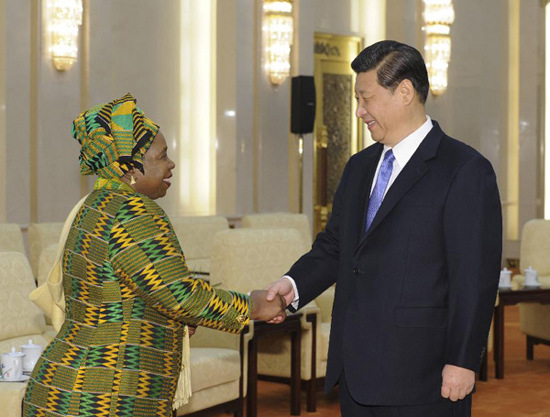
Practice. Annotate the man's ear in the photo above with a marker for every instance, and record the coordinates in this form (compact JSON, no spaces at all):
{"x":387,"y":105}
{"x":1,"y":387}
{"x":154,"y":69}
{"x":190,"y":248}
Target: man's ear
{"x":406,"y":91}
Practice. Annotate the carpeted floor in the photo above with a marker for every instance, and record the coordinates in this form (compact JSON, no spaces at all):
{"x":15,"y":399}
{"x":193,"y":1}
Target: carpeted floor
{"x":525,"y":390}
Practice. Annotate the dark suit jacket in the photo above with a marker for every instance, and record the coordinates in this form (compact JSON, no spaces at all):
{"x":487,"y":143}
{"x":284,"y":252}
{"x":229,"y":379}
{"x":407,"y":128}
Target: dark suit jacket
{"x":417,"y":291}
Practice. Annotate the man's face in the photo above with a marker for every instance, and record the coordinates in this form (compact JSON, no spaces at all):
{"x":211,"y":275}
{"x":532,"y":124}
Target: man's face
{"x":379,"y":108}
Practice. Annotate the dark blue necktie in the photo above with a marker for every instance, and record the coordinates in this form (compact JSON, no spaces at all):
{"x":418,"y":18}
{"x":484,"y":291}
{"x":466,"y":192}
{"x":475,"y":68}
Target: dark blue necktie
{"x":380,"y":187}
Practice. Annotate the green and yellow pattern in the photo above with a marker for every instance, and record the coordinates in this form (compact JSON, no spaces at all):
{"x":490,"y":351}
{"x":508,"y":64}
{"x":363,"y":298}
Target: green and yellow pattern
{"x":113,"y":137}
{"x":128,"y":296}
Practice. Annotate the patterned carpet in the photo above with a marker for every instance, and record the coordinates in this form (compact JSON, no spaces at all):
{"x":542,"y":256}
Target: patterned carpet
{"x":525,"y":390}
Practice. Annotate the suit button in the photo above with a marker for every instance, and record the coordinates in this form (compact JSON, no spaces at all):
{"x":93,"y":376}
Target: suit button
{"x":356,"y":271}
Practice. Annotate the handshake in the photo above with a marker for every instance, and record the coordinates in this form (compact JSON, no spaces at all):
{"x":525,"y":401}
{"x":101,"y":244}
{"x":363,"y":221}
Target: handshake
{"x":272,"y":311}
{"x":270,"y":304}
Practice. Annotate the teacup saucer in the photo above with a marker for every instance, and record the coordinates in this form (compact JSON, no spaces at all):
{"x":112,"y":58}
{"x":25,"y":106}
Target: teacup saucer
{"x":24,"y":378}
{"x":531,"y":286}
{"x":504,"y":287}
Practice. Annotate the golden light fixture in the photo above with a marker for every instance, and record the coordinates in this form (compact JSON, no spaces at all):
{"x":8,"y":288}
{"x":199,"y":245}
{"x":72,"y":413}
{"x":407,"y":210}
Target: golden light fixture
{"x":278,"y":28}
{"x":63,"y":17}
{"x":439,"y":15}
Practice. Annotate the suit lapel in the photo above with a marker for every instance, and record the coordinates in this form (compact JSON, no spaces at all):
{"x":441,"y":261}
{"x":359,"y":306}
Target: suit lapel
{"x":363,"y":186}
{"x":415,"y":169}
{"x":367,"y":183}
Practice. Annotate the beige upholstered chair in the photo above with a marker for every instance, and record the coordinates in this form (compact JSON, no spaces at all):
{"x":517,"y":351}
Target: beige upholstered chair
{"x":196,"y":235}
{"x":280,"y":220}
{"x":218,"y":372}
{"x":300,"y":222}
{"x":20,"y":320}
{"x":247,"y":258}
{"x":41,"y":235}
{"x":11,"y":238}
{"x":534,"y":252}
{"x":46,"y":260}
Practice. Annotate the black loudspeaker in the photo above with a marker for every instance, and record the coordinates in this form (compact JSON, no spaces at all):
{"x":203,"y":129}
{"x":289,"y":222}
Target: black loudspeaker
{"x":302,"y":109}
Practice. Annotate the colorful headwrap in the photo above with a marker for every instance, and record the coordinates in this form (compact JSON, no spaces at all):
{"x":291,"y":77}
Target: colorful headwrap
{"x":113,"y":138}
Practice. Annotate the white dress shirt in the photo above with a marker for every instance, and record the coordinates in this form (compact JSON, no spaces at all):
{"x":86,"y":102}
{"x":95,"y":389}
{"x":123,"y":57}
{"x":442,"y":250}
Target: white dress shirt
{"x":403,"y":152}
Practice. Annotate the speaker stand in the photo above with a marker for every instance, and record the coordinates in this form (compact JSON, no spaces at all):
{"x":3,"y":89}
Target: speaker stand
{"x":301,"y":174}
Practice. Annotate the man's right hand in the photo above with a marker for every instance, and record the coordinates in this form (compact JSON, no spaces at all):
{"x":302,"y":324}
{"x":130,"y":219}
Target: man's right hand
{"x":272,"y":311}
{"x":282,"y":287}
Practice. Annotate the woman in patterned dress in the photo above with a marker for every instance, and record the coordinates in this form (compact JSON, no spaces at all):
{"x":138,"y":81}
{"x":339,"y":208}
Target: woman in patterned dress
{"x":128,"y":291}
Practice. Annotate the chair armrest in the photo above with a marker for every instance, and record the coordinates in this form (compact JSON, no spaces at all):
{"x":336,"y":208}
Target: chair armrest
{"x":206,"y":337}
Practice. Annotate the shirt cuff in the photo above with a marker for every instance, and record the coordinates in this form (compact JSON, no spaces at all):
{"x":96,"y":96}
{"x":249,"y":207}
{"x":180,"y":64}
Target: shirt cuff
{"x":296,"y":299}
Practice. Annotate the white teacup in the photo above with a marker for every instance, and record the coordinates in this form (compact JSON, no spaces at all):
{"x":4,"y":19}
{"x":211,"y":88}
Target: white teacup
{"x":505,"y":278}
{"x":32,"y":353}
{"x":12,"y":365}
{"x":531,"y":277}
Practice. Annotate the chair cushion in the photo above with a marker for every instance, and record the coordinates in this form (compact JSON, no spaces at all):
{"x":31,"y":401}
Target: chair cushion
{"x":11,"y":238}
{"x":210,"y":397}
{"x":47,"y":259}
{"x":245,"y":259}
{"x":196,"y":234}
{"x":535,"y":320}
{"x":40,"y":236}
{"x":298,"y":221}
{"x":18,"y":315}
{"x":213,"y":366}
{"x":11,"y":396}
{"x":535,"y":246}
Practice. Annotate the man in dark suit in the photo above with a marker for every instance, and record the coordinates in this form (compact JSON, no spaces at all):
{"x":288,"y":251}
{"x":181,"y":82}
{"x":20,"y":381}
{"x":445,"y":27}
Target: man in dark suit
{"x":414,"y":247}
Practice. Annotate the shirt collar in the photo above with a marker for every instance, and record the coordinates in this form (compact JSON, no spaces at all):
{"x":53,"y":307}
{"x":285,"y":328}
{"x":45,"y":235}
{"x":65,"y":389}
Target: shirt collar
{"x":405,"y":149}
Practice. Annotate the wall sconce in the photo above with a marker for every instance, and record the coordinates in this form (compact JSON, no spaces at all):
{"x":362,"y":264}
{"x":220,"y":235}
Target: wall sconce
{"x":278,"y":27}
{"x":439,"y":15}
{"x":63,"y":17}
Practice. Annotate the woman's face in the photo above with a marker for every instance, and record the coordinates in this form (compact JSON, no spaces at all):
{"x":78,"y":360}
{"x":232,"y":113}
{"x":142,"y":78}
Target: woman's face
{"x":158,"y":170}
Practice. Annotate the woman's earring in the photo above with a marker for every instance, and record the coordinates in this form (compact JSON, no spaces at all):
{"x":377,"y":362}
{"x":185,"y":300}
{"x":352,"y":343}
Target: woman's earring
{"x":132,"y":180}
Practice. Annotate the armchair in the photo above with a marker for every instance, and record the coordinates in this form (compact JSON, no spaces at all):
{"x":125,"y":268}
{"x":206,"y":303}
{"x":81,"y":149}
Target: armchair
{"x":20,"y":320}
{"x":218,"y":372}
{"x":280,"y":220}
{"x":11,"y":238}
{"x":196,"y":234}
{"x":534,"y":250}
{"x":41,"y":235}
{"x":46,"y":261}
{"x":315,"y":331}
{"x":248,"y":258}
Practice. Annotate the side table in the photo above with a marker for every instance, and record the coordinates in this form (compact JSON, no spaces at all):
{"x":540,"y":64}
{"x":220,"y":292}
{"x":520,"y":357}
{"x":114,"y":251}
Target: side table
{"x":507,"y":298}
{"x":293,"y":326}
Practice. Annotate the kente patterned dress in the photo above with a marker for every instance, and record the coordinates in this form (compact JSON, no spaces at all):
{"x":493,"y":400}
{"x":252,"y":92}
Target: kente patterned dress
{"x":128,"y":294}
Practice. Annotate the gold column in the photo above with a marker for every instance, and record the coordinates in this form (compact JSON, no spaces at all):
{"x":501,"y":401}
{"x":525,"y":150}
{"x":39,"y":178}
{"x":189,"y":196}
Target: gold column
{"x":295,"y":163}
